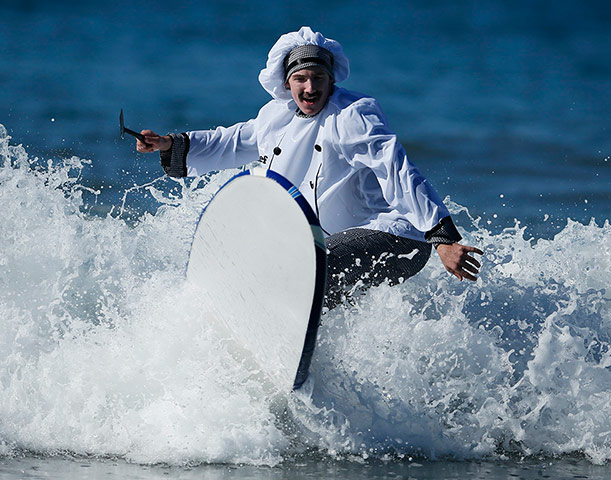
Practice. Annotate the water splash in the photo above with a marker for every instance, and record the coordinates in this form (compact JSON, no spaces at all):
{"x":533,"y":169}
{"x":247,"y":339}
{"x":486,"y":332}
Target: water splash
{"x":518,"y":363}
{"x":104,"y":351}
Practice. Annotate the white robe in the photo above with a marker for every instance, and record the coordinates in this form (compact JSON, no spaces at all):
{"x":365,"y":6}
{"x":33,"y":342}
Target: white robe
{"x":346,"y":162}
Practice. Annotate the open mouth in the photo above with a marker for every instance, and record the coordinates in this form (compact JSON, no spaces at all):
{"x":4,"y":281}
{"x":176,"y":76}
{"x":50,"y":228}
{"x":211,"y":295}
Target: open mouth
{"x":310,"y":99}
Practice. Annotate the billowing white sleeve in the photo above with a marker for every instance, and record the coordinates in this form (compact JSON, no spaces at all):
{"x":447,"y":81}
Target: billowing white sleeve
{"x":366,"y":141}
{"x":221,"y":148}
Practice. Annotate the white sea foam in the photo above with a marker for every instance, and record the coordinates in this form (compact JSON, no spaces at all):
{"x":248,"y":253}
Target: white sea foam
{"x":103,"y":349}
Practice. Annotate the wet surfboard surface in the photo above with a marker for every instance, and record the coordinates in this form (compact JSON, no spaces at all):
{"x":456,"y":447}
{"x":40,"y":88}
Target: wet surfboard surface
{"x":259,"y":254}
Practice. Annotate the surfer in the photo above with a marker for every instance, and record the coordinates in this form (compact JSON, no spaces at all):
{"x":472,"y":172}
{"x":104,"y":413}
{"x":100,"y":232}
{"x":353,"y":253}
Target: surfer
{"x":381,"y":216}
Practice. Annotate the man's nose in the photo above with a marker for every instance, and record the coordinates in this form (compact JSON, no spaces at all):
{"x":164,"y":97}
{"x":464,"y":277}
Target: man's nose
{"x":309,"y":86}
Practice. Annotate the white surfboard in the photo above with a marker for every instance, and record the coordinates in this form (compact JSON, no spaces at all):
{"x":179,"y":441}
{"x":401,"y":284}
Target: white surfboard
{"x":260,"y":256}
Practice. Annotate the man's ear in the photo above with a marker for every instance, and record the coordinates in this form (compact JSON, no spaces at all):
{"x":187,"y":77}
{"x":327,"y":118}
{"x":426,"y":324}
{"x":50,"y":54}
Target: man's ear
{"x":286,"y":85}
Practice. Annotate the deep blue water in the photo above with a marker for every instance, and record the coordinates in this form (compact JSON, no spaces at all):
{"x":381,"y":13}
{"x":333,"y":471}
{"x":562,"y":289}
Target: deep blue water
{"x":503,"y":105}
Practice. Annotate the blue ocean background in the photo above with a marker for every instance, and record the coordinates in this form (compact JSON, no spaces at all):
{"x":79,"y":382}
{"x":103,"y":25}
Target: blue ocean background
{"x":504,"y":106}
{"x":489,"y":98}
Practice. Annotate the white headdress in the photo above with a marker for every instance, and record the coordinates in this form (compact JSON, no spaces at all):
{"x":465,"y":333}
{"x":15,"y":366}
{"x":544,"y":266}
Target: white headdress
{"x":272,"y":77}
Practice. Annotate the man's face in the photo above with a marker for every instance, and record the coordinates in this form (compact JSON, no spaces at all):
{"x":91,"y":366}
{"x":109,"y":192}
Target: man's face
{"x":310,"y":88}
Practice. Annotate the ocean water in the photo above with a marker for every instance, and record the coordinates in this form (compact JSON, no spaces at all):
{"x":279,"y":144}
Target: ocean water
{"x":106,"y":368}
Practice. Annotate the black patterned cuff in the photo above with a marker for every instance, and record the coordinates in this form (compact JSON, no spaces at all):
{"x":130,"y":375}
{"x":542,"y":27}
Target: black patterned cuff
{"x":444,"y":232}
{"x":174,"y":160}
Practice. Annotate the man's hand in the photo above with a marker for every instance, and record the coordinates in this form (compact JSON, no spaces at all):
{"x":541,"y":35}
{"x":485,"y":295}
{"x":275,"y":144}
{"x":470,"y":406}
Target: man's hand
{"x":154,"y":142}
{"x":456,"y":259}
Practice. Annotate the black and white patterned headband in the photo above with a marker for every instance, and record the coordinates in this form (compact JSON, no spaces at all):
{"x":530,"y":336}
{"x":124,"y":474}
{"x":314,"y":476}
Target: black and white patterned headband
{"x":306,"y":56}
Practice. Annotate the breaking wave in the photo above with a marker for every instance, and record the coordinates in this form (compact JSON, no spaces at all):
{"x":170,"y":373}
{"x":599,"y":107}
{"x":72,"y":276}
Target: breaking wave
{"x":103,"y":350}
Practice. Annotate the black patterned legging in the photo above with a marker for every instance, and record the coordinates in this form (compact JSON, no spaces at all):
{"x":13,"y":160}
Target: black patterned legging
{"x":363,"y":258}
